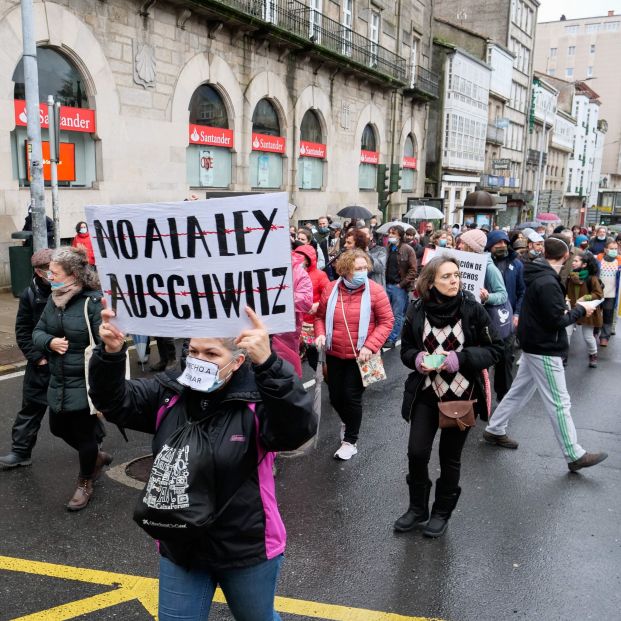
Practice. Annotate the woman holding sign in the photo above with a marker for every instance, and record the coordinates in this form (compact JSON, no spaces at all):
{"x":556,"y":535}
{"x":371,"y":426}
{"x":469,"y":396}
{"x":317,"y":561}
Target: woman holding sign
{"x":210,"y":499}
{"x":447,"y":341}
{"x":353,"y":321}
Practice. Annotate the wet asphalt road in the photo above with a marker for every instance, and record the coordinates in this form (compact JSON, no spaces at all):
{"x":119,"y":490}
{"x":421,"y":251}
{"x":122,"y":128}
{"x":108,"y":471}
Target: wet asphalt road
{"x":528,"y":540}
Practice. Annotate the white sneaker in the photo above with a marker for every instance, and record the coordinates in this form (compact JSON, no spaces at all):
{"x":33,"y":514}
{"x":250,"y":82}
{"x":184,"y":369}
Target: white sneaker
{"x":342,"y":432}
{"x":346,"y":452}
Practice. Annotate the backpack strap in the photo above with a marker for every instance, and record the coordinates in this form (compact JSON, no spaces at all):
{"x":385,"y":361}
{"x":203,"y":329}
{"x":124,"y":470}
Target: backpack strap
{"x":168,"y":404}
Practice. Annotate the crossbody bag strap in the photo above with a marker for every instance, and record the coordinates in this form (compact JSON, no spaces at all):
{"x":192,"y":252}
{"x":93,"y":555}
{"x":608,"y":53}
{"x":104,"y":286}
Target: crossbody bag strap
{"x":88,"y":324}
{"x":347,"y":326}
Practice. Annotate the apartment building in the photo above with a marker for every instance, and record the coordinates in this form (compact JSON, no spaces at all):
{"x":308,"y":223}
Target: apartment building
{"x":510,"y":23}
{"x":589,"y":49}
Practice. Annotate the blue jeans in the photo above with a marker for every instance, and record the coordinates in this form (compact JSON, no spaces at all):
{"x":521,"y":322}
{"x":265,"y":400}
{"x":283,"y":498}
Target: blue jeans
{"x":249,"y":591}
{"x":399,"y":302}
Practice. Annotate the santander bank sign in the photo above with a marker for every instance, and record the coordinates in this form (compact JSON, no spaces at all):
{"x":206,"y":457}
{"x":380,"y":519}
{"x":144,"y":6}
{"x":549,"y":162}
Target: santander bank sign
{"x":71,"y":119}
{"x":271,"y":144}
{"x":211,"y":136}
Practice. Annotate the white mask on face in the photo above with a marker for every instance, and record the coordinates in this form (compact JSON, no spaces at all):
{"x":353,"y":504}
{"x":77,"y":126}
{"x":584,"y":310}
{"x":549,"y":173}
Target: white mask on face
{"x":201,"y":375}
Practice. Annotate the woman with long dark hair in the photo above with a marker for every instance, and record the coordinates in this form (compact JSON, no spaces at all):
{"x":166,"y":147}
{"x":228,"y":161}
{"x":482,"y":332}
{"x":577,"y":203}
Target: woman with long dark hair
{"x":447,"y":341}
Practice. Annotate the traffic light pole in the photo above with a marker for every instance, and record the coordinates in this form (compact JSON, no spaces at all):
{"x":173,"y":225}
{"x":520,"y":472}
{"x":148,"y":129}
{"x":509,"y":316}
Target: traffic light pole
{"x":31,"y":82}
{"x":53,"y":113}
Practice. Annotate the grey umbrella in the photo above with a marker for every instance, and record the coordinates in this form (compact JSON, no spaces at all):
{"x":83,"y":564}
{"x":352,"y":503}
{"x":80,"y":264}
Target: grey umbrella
{"x":355,"y":211}
{"x":424,"y":212}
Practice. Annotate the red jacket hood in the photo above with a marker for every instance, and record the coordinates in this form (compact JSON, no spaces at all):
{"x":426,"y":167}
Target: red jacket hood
{"x":309,"y":252}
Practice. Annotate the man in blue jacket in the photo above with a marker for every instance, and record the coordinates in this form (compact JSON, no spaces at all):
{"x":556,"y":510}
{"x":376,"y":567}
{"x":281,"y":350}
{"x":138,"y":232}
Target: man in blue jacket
{"x":512,"y":270}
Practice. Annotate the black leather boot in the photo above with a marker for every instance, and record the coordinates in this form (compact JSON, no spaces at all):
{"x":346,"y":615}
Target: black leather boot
{"x":445,"y":503}
{"x":418,"y":511}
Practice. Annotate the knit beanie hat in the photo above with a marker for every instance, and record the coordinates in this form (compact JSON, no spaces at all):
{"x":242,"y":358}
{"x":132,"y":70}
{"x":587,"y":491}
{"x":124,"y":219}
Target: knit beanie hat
{"x":580,"y":239}
{"x":494,"y":237}
{"x":475,"y":238}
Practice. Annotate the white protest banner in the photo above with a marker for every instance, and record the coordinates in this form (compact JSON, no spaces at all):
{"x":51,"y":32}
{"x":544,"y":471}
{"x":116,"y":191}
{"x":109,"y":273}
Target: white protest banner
{"x":190,"y":268}
{"x":472,"y":267}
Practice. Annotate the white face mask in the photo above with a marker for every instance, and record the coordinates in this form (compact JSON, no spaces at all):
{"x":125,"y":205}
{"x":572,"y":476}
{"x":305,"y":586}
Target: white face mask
{"x":201,"y":375}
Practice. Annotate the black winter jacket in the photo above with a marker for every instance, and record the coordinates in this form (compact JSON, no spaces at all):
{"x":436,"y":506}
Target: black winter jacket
{"x":482,"y":349}
{"x":67,"y":389}
{"x":32,"y":301}
{"x":250,"y":530}
{"x":544,"y":316}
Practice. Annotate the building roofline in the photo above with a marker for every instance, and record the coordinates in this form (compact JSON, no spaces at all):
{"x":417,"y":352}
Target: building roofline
{"x":460,"y":27}
{"x":581,"y":19}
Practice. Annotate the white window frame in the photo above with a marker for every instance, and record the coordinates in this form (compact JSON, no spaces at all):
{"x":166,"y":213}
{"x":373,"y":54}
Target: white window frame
{"x":347,"y":21}
{"x":316,"y":17}
{"x":375,"y":24}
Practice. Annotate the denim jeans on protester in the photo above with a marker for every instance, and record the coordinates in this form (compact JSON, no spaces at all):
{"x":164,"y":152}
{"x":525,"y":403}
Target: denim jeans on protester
{"x":399,"y":303}
{"x":186,"y":595}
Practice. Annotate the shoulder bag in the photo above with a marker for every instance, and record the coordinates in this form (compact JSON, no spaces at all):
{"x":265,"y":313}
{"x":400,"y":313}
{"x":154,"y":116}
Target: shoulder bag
{"x":458,"y":414}
{"x":372,"y":370}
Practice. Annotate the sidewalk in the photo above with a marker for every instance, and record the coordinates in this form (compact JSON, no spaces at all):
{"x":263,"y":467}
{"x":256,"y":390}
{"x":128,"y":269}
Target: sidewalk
{"x":11,"y":358}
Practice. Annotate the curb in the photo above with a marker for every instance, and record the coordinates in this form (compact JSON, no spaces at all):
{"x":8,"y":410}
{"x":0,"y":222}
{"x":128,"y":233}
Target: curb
{"x":5,"y":369}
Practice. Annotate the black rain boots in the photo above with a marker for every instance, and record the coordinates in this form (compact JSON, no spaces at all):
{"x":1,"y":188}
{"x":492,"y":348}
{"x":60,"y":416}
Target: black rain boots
{"x":445,"y":503}
{"x":418,"y":511}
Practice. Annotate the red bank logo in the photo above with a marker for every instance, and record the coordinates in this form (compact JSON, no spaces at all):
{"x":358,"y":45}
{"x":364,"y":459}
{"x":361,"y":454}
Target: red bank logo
{"x":312,"y":149}
{"x":71,"y":119}
{"x":212,"y":136}
{"x":271,"y":144}
{"x":409,"y":162}
{"x":369,"y":157}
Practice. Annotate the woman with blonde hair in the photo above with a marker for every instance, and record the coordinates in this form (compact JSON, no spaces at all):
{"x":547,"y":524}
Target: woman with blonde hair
{"x":354,"y":319}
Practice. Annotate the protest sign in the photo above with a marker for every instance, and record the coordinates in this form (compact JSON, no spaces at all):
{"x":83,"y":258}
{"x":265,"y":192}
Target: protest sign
{"x":472,"y":267}
{"x":190,"y":268}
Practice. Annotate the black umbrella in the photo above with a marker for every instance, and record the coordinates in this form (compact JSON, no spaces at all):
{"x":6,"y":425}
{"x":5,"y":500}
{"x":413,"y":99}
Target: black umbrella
{"x":356,"y":212}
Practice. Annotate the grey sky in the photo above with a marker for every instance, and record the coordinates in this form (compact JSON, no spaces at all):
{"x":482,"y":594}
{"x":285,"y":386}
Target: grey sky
{"x":551,"y":10}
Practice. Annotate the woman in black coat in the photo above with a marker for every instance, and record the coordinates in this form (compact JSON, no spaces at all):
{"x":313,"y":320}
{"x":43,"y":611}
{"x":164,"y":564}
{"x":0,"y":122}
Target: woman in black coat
{"x":62,"y":335}
{"x":243,"y":404}
{"x":449,"y":322}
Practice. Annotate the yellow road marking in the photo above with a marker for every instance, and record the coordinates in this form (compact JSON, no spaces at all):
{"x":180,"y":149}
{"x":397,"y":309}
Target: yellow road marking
{"x":145,"y":590}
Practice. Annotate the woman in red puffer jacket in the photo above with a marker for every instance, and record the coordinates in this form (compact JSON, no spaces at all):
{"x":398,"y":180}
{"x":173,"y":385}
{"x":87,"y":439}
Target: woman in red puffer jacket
{"x":83,"y":239}
{"x":320,"y":281}
{"x":353,"y":320}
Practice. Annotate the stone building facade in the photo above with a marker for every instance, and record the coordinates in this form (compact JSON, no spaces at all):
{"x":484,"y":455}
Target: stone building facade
{"x":225,"y":96}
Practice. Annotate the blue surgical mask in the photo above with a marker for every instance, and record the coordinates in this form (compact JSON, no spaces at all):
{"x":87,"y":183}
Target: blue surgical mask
{"x":202,"y":375}
{"x":442,"y":243}
{"x":83,"y":229}
{"x":323,"y":230}
{"x":612,"y":253}
{"x":393,"y":240}
{"x":358,"y":279}
{"x":57,"y":285}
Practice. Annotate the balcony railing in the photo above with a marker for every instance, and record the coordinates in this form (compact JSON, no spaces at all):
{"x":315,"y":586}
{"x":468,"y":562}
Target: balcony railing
{"x":423,"y":83}
{"x":495,"y":135}
{"x":316,"y":29}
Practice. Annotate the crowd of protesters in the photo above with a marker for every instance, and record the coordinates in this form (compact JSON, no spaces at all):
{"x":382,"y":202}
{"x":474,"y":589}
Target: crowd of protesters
{"x":358,"y":293}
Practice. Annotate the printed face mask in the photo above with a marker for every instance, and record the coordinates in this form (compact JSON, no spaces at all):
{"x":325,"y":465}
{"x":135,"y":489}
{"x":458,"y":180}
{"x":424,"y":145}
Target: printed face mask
{"x":201,"y":375}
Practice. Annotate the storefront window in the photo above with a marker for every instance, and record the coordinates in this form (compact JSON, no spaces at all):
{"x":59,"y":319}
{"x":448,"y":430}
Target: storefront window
{"x":369,"y":159}
{"x":209,"y":157}
{"x":61,"y":79}
{"x":409,"y":164}
{"x":312,"y":153}
{"x":268,"y":147}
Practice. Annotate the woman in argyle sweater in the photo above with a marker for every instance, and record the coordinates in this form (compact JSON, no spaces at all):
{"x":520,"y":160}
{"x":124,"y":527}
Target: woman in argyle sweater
{"x":447,"y":321}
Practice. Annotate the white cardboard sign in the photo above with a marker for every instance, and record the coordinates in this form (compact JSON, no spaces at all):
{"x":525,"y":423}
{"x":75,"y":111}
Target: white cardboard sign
{"x":472,"y":267}
{"x":190,"y":268}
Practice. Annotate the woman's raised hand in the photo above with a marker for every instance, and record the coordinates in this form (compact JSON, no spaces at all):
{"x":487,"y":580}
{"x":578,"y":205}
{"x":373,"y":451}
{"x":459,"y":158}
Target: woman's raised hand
{"x":255,"y":341}
{"x":112,"y":338}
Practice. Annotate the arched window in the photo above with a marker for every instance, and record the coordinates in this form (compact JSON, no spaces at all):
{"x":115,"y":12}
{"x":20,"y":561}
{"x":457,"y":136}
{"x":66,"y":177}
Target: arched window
{"x":59,"y":77}
{"x":312,"y":153}
{"x":268,"y":147}
{"x":410,"y":164}
{"x":265,"y":119}
{"x":209,"y":157}
{"x":369,"y":159}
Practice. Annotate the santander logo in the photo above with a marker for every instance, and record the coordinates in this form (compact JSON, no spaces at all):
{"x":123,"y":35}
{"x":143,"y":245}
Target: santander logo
{"x":211,"y":136}
{"x":312,"y":149}
{"x":71,"y":119}
{"x":23,"y":117}
{"x":271,"y":144}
